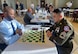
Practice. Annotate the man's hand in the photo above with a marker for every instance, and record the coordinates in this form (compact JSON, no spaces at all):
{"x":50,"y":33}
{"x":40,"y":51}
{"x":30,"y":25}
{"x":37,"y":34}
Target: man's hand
{"x":19,"y":31}
{"x":49,"y":34}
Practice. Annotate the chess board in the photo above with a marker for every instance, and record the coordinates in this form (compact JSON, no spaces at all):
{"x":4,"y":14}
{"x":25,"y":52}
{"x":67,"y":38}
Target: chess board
{"x":33,"y":36}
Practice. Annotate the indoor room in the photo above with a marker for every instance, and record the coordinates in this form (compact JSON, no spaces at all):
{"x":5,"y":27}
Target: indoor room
{"x":38,"y":26}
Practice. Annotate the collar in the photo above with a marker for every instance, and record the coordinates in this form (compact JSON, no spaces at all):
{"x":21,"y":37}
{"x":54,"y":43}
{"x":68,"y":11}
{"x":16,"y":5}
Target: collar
{"x":60,"y":22}
{"x":7,"y":20}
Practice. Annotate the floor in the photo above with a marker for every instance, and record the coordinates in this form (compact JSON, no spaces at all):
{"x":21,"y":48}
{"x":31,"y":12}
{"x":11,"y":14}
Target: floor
{"x":75,"y":41}
{"x":75,"y":25}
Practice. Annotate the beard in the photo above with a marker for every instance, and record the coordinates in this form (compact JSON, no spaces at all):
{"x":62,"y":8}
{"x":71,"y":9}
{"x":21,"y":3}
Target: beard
{"x":9,"y":18}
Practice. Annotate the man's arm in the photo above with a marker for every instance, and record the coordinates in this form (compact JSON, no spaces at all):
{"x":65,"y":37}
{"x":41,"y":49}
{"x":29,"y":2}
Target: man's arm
{"x":9,"y":40}
{"x":52,"y":27}
{"x":20,"y":28}
{"x":6,"y":36}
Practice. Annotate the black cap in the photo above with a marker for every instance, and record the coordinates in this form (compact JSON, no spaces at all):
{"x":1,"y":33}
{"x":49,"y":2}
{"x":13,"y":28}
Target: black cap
{"x":57,"y":10}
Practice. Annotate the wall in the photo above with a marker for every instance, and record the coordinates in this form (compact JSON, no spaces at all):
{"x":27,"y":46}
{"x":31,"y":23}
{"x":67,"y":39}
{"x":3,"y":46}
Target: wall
{"x":9,"y":2}
{"x":34,"y":1}
{"x":56,"y":3}
{"x":62,"y":3}
{"x":0,"y":5}
{"x":50,"y":1}
{"x":12,"y":3}
{"x":75,"y":3}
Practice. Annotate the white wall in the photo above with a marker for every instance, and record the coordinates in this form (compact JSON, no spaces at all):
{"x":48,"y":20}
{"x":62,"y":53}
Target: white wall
{"x":12,"y":3}
{"x":56,"y":3}
{"x":50,"y":1}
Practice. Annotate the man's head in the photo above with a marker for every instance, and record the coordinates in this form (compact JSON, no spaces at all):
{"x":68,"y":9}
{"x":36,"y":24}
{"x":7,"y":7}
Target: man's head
{"x":30,"y":10}
{"x":9,"y":13}
{"x":17,"y":3}
{"x":58,"y":15}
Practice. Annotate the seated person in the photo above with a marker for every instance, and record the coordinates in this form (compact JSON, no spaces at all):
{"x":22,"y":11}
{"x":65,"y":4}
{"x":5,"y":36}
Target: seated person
{"x":28,"y":16}
{"x":51,"y":8}
{"x":10,"y":29}
{"x":37,"y":8}
{"x":46,"y":6}
{"x":50,"y":16}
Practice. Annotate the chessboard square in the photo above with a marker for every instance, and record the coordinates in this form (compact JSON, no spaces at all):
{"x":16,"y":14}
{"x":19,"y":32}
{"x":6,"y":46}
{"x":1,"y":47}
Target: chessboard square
{"x":37,"y":37}
{"x":34,"y":35}
{"x":36,"y":41}
{"x":30,"y":41}
{"x":31,"y":37}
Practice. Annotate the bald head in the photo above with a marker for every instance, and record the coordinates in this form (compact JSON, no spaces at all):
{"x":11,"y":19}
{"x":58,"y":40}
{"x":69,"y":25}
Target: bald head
{"x":9,"y":12}
{"x":30,"y":10}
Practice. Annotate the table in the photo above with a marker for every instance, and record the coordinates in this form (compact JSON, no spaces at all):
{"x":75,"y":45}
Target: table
{"x":40,"y":17}
{"x":40,"y":20}
{"x":31,"y":47}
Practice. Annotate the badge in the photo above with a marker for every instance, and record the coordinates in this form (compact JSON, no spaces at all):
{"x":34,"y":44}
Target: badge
{"x":63,"y":35}
{"x":66,"y":28}
{"x":57,"y":29}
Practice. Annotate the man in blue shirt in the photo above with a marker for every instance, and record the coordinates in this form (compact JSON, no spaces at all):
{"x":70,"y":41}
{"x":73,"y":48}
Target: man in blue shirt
{"x":10,"y":29}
